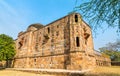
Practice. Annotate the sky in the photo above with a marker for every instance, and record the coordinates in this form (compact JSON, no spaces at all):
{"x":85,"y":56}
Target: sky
{"x":17,"y":15}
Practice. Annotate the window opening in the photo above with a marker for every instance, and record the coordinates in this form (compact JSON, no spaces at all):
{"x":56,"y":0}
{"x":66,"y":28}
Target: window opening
{"x":34,"y":60}
{"x":57,"y":26}
{"x":57,"y":33}
{"x":48,"y":30}
{"x":76,"y":18}
{"x":77,"y":41}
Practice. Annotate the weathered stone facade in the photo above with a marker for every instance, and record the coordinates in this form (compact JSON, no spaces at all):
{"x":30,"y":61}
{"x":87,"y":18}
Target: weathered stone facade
{"x":63,"y":44}
{"x":102,"y":59}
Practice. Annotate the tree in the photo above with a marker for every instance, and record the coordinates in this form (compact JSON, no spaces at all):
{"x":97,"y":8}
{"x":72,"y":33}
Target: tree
{"x":113,"y":50}
{"x":7,"y":47}
{"x":99,"y":11}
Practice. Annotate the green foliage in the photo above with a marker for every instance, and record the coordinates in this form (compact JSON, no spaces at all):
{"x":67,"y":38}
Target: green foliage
{"x":113,"y":50}
{"x":7,"y":47}
{"x":98,"y":11}
{"x":105,"y":55}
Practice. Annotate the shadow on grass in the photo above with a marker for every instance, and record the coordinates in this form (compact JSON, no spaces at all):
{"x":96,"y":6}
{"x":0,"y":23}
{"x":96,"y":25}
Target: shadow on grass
{"x":76,"y":75}
{"x":1,"y":68}
{"x":103,"y":74}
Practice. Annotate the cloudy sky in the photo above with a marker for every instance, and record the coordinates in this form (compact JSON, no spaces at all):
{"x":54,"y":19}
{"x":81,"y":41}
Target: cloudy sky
{"x":17,"y":15}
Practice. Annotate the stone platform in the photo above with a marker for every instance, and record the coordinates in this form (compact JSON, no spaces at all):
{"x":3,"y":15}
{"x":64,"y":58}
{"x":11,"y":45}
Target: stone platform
{"x":50,"y":71}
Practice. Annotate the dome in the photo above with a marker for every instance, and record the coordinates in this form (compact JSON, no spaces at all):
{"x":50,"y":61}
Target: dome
{"x":35,"y":26}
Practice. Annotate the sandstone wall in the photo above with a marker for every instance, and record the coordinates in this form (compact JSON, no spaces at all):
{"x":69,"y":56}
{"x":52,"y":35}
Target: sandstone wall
{"x":63,"y":44}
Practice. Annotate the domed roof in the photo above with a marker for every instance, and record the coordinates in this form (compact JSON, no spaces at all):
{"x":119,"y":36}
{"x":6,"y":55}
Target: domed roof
{"x":36,"y":26}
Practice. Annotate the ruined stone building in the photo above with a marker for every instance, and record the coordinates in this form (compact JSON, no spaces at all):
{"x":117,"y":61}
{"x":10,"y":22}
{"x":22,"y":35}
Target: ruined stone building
{"x":63,"y":44}
{"x":102,"y":59}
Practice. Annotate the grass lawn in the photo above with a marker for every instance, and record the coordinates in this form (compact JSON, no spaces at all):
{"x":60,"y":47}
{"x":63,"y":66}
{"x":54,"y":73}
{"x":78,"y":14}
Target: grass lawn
{"x":19,"y":73}
{"x":98,"y":71}
{"x":105,"y":71}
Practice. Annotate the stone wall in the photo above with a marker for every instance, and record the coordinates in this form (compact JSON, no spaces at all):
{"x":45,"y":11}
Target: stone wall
{"x":115,"y":63}
{"x":102,"y":60}
{"x":63,"y":44}
{"x":6,"y":64}
{"x":2,"y":64}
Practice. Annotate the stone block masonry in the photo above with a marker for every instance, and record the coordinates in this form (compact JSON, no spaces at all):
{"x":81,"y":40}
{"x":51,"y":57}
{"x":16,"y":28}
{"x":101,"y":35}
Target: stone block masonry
{"x":63,"y":44}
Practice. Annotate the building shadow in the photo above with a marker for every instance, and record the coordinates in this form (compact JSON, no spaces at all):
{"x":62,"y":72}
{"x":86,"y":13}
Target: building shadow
{"x":76,"y":74}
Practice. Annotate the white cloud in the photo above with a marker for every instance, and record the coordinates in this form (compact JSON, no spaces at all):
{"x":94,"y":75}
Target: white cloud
{"x":11,"y":10}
